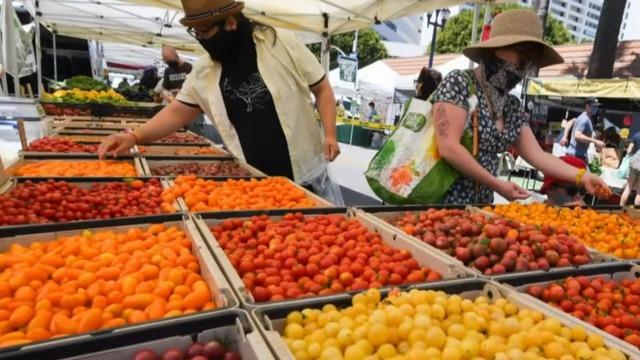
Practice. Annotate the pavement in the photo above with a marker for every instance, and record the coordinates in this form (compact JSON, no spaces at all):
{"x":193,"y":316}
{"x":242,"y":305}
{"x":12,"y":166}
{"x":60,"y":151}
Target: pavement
{"x":348,"y":171}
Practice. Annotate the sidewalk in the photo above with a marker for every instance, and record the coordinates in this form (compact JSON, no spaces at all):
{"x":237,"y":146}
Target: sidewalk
{"x":348,"y":171}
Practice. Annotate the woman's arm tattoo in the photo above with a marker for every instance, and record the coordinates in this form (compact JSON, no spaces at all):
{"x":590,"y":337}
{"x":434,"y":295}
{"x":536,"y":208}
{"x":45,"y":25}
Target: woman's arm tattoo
{"x":442,"y":121}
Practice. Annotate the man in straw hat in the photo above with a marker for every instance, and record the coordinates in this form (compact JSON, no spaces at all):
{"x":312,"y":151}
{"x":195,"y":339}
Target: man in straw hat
{"x":255,"y":83}
{"x":514,"y":51}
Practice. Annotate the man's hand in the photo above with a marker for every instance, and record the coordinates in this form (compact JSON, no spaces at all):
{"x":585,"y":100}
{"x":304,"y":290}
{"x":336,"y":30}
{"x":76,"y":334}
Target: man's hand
{"x":564,"y":142}
{"x":116,"y":144}
{"x":331,"y":149}
{"x":511,"y":191}
{"x":599,"y":144}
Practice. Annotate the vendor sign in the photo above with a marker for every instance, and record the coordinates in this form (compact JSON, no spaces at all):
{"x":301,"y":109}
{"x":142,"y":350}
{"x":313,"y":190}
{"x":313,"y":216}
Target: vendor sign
{"x":601,"y":88}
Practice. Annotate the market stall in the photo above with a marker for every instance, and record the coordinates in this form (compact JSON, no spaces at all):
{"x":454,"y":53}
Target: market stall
{"x":220,"y":214}
{"x":618,"y":96}
{"x":179,"y":250}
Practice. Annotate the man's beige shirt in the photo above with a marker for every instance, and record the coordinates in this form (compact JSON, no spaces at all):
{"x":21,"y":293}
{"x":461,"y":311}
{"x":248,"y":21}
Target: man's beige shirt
{"x":288,"y":68}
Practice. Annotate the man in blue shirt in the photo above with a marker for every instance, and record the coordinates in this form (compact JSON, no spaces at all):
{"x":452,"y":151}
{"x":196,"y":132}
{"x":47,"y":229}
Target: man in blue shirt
{"x":582,"y":133}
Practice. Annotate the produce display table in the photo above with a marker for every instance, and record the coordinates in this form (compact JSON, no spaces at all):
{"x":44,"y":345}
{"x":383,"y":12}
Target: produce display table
{"x":197,"y":246}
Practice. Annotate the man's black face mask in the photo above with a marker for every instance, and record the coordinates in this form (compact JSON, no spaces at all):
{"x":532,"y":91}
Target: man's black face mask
{"x":227,"y":46}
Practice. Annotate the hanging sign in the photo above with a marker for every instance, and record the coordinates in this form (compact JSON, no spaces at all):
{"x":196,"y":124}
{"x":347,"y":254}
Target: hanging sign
{"x":348,"y":68}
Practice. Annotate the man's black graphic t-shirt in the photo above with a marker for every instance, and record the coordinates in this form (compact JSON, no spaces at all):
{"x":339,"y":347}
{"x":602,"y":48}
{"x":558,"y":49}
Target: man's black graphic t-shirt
{"x":252,"y":112}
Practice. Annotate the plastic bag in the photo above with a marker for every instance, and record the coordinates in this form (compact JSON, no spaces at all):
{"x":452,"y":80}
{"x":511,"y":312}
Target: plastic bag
{"x":623,"y":170}
{"x":408,"y":168}
{"x":320,"y":181}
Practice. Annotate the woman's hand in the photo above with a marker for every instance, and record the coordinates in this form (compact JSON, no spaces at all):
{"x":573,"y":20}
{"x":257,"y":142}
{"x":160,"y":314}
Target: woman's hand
{"x":596,"y":186}
{"x":116,"y":144}
{"x":511,"y":191}
{"x":564,"y":142}
{"x":331,"y":149}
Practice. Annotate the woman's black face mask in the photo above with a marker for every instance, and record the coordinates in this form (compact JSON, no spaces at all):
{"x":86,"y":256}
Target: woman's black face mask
{"x":504,"y":75}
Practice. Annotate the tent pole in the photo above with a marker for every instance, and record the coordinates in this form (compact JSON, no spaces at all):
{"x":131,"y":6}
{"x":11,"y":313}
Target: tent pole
{"x":487,"y":14}
{"x":55,"y":57}
{"x":474,"y":28}
{"x":38,"y":49}
{"x":325,"y":56}
{"x":5,"y":88}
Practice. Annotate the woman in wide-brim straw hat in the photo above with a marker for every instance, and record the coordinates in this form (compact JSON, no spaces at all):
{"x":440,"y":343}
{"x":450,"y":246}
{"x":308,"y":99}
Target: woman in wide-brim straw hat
{"x":255,"y":83}
{"x":514,"y":51}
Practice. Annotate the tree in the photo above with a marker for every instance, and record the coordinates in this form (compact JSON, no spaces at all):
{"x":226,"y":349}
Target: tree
{"x":370,"y":47}
{"x":605,"y":45}
{"x":456,"y":34}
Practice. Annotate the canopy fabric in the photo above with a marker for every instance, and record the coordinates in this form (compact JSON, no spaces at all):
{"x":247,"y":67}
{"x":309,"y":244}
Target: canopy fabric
{"x":114,"y":21}
{"x":138,"y":56}
{"x":154,"y":22}
{"x":601,"y":88}
{"x":343,"y":15}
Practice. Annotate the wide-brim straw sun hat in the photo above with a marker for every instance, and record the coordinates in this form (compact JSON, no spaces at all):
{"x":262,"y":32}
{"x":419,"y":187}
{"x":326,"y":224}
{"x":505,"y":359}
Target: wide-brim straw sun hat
{"x":203,"y":12}
{"x":514,"y":27}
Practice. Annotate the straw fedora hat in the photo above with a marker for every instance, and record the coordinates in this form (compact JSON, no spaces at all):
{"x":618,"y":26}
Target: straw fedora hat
{"x":513,"y":27}
{"x":203,"y":12}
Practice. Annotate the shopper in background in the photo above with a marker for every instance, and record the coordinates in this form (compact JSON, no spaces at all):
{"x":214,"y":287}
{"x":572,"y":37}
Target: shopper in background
{"x":175,"y":74}
{"x":582,"y":133}
{"x":149,"y":78}
{"x":633,"y":181}
{"x":564,"y":193}
{"x":256,"y":84}
{"x":514,"y":51}
{"x":372,"y":112}
{"x":427,"y":82}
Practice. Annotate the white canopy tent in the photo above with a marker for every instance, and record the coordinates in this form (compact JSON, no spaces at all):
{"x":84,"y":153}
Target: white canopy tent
{"x":375,"y":80}
{"x":330,"y":16}
{"x":151,"y":23}
{"x":406,"y":82}
{"x":154,"y":22}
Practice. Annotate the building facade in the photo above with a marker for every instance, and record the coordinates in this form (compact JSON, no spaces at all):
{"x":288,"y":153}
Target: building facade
{"x":581,"y":17}
{"x":406,"y":30}
{"x":629,"y":30}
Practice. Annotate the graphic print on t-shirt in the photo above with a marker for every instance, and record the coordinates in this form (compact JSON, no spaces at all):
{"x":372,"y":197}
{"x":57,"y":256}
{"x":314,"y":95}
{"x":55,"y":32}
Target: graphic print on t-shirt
{"x":253,"y":92}
{"x":177,"y":76}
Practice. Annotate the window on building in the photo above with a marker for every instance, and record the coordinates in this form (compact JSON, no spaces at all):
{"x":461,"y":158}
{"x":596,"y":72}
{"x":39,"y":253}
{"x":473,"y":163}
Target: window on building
{"x":595,"y":6}
{"x":593,"y":16}
{"x":557,"y":12}
{"x":391,"y":26}
{"x":591,"y":25}
{"x":560,"y":3}
{"x":575,"y":9}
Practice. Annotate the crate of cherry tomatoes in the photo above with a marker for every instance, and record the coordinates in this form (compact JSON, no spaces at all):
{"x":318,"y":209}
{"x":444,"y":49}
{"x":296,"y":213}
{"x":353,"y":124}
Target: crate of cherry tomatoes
{"x":206,"y":168}
{"x":41,"y":201}
{"x":604,"y":299}
{"x":59,"y":147}
{"x":196,"y":194}
{"x":74,"y":165}
{"x":472,"y":319}
{"x":66,"y":283}
{"x":489,"y":245}
{"x":186,"y":138}
{"x":222,"y":335}
{"x":613,"y":231}
{"x":284,"y":256}
{"x":181,"y":151}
